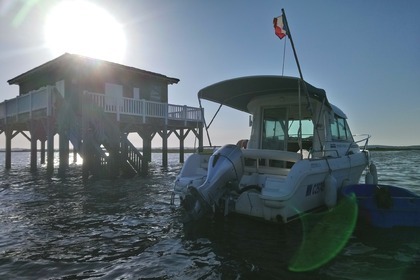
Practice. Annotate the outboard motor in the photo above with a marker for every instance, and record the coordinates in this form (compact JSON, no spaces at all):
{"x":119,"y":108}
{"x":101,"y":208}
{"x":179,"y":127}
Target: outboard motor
{"x":226,"y":164}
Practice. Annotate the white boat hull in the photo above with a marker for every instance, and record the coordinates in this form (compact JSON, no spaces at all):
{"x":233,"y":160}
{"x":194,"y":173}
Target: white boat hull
{"x":277,"y":194}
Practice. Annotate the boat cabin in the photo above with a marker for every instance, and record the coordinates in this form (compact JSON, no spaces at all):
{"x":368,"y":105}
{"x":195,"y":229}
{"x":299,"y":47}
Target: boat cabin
{"x":287,"y":115}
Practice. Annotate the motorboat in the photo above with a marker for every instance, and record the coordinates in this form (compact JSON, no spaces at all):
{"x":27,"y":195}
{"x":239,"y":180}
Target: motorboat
{"x":385,"y":206}
{"x":299,"y":154}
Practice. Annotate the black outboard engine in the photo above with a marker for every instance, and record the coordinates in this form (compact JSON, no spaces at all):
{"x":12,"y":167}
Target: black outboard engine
{"x":225,"y":165}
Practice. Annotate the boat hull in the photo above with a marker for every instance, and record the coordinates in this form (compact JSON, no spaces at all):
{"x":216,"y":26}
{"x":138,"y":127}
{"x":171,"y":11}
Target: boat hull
{"x":303,"y":190}
{"x":273,"y":194}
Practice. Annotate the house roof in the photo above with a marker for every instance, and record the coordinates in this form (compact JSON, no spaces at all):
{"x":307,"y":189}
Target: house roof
{"x":68,"y":59}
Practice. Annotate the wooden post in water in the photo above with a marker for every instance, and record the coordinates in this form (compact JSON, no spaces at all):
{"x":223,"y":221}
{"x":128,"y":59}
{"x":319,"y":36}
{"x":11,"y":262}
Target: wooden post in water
{"x":74,"y":155}
{"x":9,"y":135}
{"x":42,"y":151}
{"x":147,"y":151}
{"x":165,"y":146}
{"x":200,"y":139}
{"x":50,"y":146}
{"x":63,"y":152}
{"x":33,"y":146}
{"x":181,"y":145}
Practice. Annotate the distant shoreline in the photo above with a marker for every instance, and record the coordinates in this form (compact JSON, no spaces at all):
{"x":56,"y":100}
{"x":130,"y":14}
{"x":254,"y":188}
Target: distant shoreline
{"x":393,"y":148}
{"x":154,"y":150}
{"x":192,"y":150}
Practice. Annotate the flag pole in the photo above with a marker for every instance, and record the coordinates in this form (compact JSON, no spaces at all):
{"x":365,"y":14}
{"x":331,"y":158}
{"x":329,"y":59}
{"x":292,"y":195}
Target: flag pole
{"x":305,"y":88}
{"x":303,"y":81}
{"x":291,"y":42}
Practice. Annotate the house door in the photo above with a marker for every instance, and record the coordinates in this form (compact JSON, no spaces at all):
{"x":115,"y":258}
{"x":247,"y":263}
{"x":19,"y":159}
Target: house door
{"x":113,"y":96}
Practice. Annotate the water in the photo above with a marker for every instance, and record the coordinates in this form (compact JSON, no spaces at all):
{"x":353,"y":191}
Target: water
{"x":64,"y":228}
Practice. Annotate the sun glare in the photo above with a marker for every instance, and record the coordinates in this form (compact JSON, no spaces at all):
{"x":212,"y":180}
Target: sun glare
{"x":83,"y":28}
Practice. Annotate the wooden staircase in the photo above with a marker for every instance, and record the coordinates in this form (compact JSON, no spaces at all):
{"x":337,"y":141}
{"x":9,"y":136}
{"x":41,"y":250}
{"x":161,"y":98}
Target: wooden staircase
{"x":98,"y":140}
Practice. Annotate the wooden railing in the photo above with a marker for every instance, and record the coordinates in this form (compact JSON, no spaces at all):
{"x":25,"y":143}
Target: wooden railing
{"x":131,"y":153}
{"x":43,"y":99}
{"x":27,"y":103}
{"x":144,"y":108}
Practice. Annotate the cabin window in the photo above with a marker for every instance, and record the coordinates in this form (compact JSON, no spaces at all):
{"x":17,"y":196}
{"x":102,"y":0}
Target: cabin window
{"x":274,"y":128}
{"x":340,"y":129}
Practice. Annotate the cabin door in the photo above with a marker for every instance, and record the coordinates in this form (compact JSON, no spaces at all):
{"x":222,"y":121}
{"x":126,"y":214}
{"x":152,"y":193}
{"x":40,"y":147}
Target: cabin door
{"x":274,"y":129}
{"x":113,"y":97}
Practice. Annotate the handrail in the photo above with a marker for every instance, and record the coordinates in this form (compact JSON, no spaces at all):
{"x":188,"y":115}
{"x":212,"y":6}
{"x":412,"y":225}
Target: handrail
{"x":41,"y":99}
{"x":131,"y":154}
{"x":27,"y":103}
{"x":144,"y":108}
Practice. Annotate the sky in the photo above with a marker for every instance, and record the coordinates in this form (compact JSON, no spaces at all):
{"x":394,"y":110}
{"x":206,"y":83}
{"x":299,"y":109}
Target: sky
{"x":364,"y":53}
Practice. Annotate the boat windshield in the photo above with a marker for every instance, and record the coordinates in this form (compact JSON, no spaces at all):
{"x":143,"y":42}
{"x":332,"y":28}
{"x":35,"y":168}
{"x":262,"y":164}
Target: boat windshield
{"x":340,"y":130}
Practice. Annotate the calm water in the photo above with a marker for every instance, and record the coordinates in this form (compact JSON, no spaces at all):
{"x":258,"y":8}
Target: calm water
{"x":63,"y":228}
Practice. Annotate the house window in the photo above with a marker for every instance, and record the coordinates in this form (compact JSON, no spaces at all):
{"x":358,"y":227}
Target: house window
{"x":156,"y":93}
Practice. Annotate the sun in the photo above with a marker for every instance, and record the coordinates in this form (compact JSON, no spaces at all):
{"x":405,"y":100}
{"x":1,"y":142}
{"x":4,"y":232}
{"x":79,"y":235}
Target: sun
{"x":83,"y":28}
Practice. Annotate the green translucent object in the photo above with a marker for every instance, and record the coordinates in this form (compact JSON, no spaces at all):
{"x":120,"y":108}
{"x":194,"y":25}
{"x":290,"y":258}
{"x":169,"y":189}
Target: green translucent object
{"x":324,"y":240}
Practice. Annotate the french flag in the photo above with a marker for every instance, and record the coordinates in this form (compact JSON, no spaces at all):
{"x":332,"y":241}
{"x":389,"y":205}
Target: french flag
{"x":279,"y":27}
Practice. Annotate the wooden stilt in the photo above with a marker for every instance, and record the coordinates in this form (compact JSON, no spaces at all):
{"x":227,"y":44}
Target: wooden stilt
{"x":63,"y":152}
{"x":33,"y":150}
{"x":50,"y":146}
{"x":74,"y":155}
{"x":200,"y":139}
{"x":181,"y":145}
{"x":165,"y":146}
{"x":42,"y":152}
{"x":147,"y":153}
{"x":9,"y":135}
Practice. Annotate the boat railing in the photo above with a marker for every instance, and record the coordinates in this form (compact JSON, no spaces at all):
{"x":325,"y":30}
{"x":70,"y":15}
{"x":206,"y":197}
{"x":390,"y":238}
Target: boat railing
{"x":362,"y":138}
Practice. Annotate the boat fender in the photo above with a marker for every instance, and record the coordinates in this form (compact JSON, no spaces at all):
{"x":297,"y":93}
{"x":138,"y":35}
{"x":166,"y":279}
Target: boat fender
{"x":369,"y":178}
{"x":374,"y":172}
{"x":330,"y":191}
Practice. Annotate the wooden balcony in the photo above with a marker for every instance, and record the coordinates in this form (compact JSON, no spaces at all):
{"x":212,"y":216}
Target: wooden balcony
{"x":41,"y":103}
{"x":90,"y":121}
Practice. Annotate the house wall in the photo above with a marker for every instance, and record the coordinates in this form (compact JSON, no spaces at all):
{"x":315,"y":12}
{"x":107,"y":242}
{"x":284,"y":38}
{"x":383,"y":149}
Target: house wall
{"x":79,"y":77}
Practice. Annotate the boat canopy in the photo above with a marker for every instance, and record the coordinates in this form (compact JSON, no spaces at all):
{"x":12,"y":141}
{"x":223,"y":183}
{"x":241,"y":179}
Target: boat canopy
{"x":237,"y":93}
